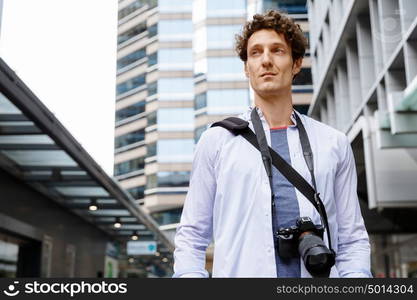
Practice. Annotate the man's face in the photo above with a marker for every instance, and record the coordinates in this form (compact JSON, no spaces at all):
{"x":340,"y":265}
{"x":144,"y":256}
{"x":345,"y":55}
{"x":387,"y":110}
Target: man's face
{"x":270,"y":67}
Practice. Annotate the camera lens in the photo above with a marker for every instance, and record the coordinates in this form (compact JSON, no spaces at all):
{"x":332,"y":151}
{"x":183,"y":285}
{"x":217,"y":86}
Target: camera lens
{"x":318,"y":259}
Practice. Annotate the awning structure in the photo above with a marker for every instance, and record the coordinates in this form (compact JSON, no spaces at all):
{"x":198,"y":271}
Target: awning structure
{"x":36,"y":148}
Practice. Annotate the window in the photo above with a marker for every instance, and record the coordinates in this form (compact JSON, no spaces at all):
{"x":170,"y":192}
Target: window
{"x":289,"y":6}
{"x":135,"y":6}
{"x":175,"y":150}
{"x":138,"y":29}
{"x":175,"y":30}
{"x":175,"y":59}
{"x":130,"y":138}
{"x":130,"y":84}
{"x":152,"y":118}
{"x":152,"y":88}
{"x":175,"y":119}
{"x":227,"y":101}
{"x":130,"y":111}
{"x":153,"y":30}
{"x":175,"y":5}
{"x":131,"y":58}
{"x":168,"y":179}
{"x":222,"y":36}
{"x":129,"y":166}
{"x":175,"y":85}
{"x":152,"y":59}
{"x":130,"y":8}
{"x":151,"y":150}
{"x":173,"y":179}
{"x":225,"y":68}
{"x":200,"y":101}
{"x":171,"y":216}
{"x":137,"y":192}
{"x":222,"y":8}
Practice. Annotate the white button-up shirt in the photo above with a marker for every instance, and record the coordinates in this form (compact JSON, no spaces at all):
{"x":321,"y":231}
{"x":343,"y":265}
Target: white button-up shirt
{"x":229,"y":203}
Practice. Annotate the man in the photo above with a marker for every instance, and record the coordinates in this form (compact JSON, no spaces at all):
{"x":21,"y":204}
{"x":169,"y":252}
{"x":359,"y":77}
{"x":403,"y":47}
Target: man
{"x":229,"y":199}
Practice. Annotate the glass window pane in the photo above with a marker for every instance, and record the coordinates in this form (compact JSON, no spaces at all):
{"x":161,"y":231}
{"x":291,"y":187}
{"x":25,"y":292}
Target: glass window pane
{"x":171,"y":86}
{"x":175,"y":30}
{"x":221,"y":8}
{"x":222,"y":36}
{"x":172,"y":216}
{"x":138,"y":29}
{"x":175,"y":150}
{"x":41,"y":158}
{"x":137,"y":192}
{"x":230,"y":101}
{"x":129,"y":166}
{"x":173,"y":179}
{"x":131,"y":58}
{"x":130,"y":138}
{"x":130,"y":111}
{"x":175,"y":5}
{"x":130,"y":84}
{"x":82,"y":191}
{"x":175,"y":59}
{"x":175,"y":119}
{"x":6,"y":107}
{"x":200,"y":101}
{"x":225,"y":68}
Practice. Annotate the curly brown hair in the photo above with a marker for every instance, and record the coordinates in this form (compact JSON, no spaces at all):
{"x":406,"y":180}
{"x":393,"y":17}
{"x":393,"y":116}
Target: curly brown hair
{"x":281,"y":23}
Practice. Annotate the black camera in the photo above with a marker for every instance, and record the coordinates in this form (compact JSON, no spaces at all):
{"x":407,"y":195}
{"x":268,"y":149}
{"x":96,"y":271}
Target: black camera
{"x":306,"y":239}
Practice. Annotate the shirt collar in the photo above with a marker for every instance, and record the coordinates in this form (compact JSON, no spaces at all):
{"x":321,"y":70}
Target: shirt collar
{"x":246,"y":116}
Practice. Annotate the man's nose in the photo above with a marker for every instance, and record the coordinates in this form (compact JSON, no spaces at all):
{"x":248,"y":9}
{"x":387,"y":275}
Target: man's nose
{"x":266,"y":59}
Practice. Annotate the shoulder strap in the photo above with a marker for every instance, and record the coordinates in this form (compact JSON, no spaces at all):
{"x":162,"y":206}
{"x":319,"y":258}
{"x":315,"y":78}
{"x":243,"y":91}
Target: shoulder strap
{"x":287,"y":170}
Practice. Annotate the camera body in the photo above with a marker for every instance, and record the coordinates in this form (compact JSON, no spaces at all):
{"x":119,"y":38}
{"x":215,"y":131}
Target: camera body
{"x":306,"y":239}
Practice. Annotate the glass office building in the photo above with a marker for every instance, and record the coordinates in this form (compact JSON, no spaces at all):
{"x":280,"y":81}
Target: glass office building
{"x":364,"y":65}
{"x":154,"y":138}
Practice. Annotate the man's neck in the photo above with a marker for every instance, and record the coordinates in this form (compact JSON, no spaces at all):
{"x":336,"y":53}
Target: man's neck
{"x":276,"y":110}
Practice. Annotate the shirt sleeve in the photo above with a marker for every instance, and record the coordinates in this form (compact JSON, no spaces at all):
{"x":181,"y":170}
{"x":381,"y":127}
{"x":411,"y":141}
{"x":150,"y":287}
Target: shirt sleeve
{"x":194,"y":232}
{"x":353,"y":255}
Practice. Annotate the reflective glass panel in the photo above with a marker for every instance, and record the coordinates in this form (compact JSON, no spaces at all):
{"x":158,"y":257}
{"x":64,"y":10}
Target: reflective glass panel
{"x":225,"y":68}
{"x":131,"y":58}
{"x":175,"y":5}
{"x":175,"y":59}
{"x":130,"y":84}
{"x":222,"y":36}
{"x":175,"y":150}
{"x":130,"y":111}
{"x":129,"y":166}
{"x":138,"y":29}
{"x":227,"y":101}
{"x":129,"y":138}
{"x":175,"y":119}
{"x":175,"y":30}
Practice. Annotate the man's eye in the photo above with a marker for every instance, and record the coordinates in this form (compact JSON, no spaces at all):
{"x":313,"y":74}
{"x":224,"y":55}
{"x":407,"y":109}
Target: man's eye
{"x":279,"y":50}
{"x":254,"y":52}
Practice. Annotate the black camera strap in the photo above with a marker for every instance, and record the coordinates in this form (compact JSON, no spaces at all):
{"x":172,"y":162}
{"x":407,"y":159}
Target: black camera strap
{"x":269,"y":157}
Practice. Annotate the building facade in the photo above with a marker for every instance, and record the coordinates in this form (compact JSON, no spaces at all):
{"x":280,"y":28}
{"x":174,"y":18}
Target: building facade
{"x":155,"y":105}
{"x":364,"y":67}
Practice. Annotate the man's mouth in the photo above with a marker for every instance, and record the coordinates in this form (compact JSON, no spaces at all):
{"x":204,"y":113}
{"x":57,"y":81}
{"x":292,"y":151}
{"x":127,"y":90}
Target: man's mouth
{"x":268,"y":74}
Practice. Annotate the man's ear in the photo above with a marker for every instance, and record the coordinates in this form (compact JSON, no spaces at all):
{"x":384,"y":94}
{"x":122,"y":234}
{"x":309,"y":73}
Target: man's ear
{"x":296,"y":67}
{"x":246,"y":70}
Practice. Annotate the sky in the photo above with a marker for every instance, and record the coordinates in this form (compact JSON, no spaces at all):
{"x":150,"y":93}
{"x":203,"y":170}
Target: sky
{"x":65,"y":52}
